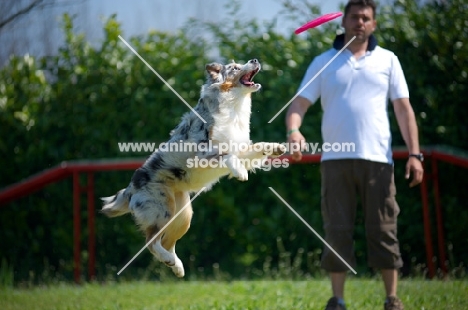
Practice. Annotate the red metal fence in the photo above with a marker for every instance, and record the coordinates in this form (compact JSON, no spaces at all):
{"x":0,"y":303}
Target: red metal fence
{"x":75,"y":168}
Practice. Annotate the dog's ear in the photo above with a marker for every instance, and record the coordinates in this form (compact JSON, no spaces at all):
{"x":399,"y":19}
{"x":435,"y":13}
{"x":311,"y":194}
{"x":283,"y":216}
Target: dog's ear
{"x":213,"y":70}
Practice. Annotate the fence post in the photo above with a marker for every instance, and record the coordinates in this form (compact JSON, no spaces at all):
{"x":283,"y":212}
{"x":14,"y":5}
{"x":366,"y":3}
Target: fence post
{"x":91,"y":228}
{"x":439,"y":218}
{"x":76,"y":227}
{"x":427,"y":228}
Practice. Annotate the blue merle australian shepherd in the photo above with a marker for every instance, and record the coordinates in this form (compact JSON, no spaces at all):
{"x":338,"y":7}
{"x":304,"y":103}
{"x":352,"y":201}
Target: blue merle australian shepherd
{"x":162,"y":186}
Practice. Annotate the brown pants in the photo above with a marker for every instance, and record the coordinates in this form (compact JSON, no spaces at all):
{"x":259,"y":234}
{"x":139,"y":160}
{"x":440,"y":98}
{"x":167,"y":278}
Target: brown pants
{"x":342,"y":180}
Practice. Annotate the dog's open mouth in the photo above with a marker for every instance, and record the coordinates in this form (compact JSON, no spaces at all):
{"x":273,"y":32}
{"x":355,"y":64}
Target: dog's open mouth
{"x":246,"y":79}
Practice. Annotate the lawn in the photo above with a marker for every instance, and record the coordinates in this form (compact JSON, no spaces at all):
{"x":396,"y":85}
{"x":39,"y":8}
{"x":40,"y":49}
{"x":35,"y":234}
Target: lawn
{"x":313,"y":294}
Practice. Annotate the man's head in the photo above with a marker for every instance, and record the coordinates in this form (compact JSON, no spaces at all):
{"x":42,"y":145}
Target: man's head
{"x":359,"y":19}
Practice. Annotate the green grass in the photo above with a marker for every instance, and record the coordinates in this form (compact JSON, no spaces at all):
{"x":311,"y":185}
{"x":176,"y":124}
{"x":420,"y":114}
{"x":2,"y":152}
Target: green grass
{"x":313,"y":294}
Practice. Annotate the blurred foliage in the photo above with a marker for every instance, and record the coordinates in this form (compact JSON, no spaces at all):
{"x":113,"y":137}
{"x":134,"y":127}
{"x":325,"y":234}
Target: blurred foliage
{"x":80,"y":103}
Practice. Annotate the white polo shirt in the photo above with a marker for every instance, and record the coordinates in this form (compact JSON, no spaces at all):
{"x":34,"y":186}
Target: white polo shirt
{"x":354,"y":96}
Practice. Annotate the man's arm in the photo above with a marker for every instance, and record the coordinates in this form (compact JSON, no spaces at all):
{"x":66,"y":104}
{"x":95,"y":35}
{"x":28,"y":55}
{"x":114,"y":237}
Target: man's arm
{"x":294,"y":116}
{"x":409,"y":130}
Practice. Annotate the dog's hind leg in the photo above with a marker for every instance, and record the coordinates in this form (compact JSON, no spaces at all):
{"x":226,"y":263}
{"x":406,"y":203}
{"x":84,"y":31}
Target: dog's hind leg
{"x":177,"y":229}
{"x":152,"y":212}
{"x":169,"y":258}
{"x":152,"y":208}
{"x":156,"y":248}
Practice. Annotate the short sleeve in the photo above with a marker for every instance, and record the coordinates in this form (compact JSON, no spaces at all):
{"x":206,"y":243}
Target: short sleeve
{"x":398,"y":87}
{"x":310,"y":89}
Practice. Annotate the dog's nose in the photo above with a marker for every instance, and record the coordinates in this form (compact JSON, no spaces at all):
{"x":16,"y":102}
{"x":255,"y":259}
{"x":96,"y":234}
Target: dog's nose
{"x":253,"y":61}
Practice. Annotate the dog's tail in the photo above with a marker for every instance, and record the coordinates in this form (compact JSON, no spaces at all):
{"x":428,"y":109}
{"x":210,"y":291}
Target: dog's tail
{"x":116,"y":205}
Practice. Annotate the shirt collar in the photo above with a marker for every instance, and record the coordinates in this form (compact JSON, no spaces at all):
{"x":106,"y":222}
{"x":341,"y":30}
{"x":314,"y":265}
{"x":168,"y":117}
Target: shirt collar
{"x":339,"y":42}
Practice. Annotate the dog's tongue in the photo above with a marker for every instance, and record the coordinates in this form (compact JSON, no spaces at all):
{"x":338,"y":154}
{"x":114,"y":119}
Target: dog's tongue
{"x":246,"y":79}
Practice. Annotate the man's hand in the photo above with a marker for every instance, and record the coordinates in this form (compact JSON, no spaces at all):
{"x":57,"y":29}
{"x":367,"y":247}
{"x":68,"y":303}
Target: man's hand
{"x":297,"y":143}
{"x":415,"y":167}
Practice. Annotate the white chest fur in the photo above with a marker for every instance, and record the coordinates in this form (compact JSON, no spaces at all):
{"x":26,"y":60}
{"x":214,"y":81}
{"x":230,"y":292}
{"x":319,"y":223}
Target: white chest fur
{"x":232,"y":123}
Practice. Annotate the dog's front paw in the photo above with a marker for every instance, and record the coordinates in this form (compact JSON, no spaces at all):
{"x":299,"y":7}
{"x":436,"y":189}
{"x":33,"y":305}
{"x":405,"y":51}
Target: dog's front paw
{"x":278,"y":150}
{"x":240,"y":173}
{"x":274,"y":149}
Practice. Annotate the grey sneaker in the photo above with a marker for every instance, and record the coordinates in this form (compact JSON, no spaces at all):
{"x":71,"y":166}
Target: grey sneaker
{"x":393,"y":303}
{"x":333,"y":304}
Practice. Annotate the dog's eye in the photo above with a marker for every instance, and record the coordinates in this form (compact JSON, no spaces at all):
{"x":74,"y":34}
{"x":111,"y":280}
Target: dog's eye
{"x":235,"y":68}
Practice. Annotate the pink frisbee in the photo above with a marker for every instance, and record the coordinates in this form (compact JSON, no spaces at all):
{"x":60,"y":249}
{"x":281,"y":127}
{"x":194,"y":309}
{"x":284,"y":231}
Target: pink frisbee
{"x":318,"y":21}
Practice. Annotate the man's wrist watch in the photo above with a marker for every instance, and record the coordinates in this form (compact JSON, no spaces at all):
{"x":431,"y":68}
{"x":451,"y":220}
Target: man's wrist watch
{"x":419,"y":156}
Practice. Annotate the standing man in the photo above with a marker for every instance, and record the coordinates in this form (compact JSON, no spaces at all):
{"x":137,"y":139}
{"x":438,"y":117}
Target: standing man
{"x":354,"y":91}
